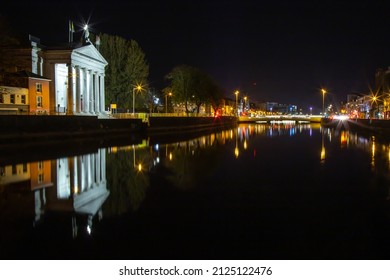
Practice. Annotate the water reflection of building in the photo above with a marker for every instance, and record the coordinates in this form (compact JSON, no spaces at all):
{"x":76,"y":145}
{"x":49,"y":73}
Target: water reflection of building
{"x":79,"y":180}
{"x":26,"y":183}
{"x":74,"y":186}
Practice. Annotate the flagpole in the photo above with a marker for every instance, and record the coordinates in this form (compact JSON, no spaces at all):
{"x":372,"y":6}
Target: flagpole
{"x":71,"y":30}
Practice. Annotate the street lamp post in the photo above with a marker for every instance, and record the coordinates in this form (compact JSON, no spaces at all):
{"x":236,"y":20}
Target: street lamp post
{"x":245,"y":99}
{"x":166,"y":102}
{"x":136,"y":88}
{"x":236,"y":93}
{"x":323,"y":101}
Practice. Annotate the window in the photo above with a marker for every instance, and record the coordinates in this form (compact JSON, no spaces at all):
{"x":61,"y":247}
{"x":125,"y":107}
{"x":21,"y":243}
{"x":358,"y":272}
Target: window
{"x":39,"y":101}
{"x":2,"y":171}
{"x":24,"y":167}
{"x":13,"y":169}
{"x":23,"y":99}
{"x":1,"y":98}
{"x":40,"y":178}
{"x":38,"y":87}
{"x":40,"y":165}
{"x":12,"y":98}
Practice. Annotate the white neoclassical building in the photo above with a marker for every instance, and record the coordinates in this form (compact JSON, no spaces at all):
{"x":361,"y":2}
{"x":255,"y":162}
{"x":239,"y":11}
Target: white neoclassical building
{"x":76,"y":71}
{"x":77,"y":75}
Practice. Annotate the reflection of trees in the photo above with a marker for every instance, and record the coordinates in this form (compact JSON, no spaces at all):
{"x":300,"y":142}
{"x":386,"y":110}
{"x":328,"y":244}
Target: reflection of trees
{"x":191,"y":166}
{"x":127,"y":185}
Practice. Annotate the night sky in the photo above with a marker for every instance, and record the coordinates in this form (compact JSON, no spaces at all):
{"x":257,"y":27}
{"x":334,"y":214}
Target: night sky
{"x":282,"y":51}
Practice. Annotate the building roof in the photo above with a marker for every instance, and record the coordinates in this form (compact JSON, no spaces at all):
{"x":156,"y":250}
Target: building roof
{"x":28,"y":74}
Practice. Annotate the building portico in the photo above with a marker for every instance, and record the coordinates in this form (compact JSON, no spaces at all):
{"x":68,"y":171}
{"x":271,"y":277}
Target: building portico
{"x":77,"y":75}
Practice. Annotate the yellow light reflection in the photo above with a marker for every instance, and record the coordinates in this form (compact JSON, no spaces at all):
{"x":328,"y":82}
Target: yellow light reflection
{"x":170,"y":156}
{"x":373,"y":148}
{"x":323,"y":154}
{"x":236,"y":152}
{"x":139,"y":167}
{"x":245,"y":145}
{"x":343,"y":138}
{"x":389,"y":155}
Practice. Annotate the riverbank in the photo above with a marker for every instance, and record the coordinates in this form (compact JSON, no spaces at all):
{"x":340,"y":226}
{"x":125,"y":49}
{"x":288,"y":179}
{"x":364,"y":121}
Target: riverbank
{"x":169,"y":125}
{"x":21,"y":128}
{"x":37,"y":129}
{"x":372,"y":126}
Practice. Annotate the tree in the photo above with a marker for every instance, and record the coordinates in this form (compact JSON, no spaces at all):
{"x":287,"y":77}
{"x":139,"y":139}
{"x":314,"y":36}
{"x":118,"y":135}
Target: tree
{"x":127,"y":68}
{"x":7,"y":39}
{"x":192,"y":86}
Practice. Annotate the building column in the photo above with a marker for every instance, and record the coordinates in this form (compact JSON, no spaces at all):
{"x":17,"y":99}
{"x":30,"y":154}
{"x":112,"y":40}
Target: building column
{"x":78,"y":89}
{"x":91,"y":99}
{"x":93,"y":169}
{"x":98,"y":168}
{"x":97,"y":94}
{"x":102,"y":97}
{"x":79,"y":174}
{"x":103,"y":163}
{"x":70,"y":101}
{"x":51,"y":69}
{"x":88,"y":172}
{"x":85,"y":91}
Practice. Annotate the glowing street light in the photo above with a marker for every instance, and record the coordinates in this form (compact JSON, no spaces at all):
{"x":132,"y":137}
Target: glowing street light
{"x":323,"y":100}
{"x":236,"y":93}
{"x":138,"y":88}
{"x":166,"y":102}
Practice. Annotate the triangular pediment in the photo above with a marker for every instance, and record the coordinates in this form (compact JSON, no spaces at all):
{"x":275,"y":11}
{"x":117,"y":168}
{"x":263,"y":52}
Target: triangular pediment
{"x":90,"y":52}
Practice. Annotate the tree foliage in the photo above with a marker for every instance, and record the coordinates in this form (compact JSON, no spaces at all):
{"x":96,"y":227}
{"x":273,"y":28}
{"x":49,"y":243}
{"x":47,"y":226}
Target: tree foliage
{"x":190,"y":85}
{"x":7,"y":39}
{"x":127,"y":68}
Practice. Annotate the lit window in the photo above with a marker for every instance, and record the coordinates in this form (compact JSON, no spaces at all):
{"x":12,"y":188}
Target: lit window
{"x":40,"y":165}
{"x":23,"y":99}
{"x":39,"y":101}
{"x":12,"y":98}
{"x":39,"y":87}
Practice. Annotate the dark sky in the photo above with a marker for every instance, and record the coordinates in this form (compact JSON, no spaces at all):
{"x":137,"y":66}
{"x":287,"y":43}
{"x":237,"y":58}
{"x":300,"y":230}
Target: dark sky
{"x":282,"y":51}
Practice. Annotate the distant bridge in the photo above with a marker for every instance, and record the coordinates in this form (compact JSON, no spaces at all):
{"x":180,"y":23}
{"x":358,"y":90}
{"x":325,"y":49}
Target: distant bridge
{"x":275,"y":118}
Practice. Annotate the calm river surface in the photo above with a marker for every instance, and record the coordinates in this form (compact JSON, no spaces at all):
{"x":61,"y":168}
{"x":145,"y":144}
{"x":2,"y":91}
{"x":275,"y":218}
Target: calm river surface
{"x":279,"y":191}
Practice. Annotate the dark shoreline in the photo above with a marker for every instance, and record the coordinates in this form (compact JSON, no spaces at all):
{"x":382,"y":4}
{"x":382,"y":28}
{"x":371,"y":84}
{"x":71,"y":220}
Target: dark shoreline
{"x":22,"y":129}
{"x":47,"y":137}
{"x":377,"y":127}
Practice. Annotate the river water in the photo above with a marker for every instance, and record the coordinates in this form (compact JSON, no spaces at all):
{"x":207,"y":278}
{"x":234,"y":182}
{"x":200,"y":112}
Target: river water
{"x":256,"y":191}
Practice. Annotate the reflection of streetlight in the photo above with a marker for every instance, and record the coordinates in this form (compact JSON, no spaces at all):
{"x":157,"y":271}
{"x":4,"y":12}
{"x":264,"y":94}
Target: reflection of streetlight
{"x":236,"y":150}
{"x":323,"y":148}
{"x":133,"y":155}
{"x":166,"y":102}
{"x":236,"y":93}
{"x":138,"y":88}
{"x":323,"y":101}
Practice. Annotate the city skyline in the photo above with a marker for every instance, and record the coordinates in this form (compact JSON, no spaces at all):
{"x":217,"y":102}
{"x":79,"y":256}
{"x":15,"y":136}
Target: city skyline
{"x":283,"y":52}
